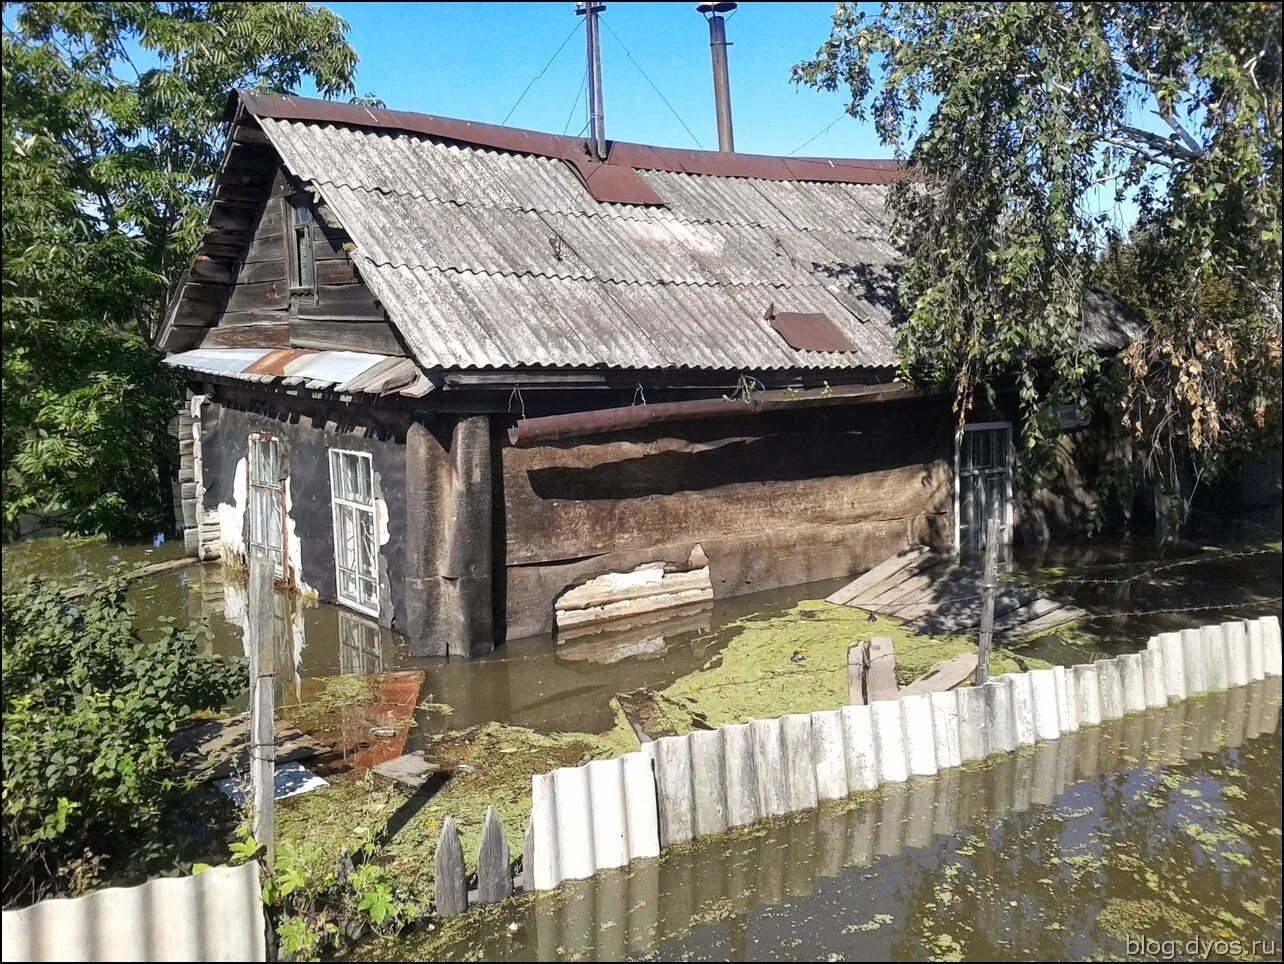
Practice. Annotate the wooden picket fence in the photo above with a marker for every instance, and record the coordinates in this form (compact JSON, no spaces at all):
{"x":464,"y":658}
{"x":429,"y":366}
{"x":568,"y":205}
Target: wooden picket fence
{"x":495,"y":880}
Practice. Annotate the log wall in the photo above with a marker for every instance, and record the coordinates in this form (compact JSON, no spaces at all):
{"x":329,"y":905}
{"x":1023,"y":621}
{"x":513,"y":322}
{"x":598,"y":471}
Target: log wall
{"x":774,"y":500}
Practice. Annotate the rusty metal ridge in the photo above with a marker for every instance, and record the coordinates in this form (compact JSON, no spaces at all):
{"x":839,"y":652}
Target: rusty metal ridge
{"x":622,"y":155}
{"x":550,"y":428}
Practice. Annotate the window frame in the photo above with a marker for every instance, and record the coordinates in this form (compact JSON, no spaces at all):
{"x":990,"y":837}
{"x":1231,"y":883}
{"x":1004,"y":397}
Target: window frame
{"x":299,"y":235}
{"x":1009,"y":466}
{"x":338,"y":504}
{"x":276,"y":489}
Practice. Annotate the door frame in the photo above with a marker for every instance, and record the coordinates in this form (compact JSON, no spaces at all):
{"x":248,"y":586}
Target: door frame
{"x":1007,"y":495}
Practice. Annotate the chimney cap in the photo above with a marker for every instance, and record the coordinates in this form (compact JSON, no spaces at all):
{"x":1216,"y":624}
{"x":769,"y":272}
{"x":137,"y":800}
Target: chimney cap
{"x":715,"y":8}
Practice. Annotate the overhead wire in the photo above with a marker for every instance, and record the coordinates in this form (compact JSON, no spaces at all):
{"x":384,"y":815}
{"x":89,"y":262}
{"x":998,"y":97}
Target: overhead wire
{"x":575,"y":103}
{"x":543,"y":69}
{"x":645,"y":76}
{"x":820,"y":133}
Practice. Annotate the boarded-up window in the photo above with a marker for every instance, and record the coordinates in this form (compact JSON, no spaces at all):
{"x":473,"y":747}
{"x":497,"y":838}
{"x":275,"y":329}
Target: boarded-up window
{"x":302,"y":254}
{"x":356,"y":549}
{"x":267,"y":500}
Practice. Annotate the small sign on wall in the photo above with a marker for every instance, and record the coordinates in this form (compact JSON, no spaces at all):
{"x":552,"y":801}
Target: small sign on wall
{"x":1070,"y":417}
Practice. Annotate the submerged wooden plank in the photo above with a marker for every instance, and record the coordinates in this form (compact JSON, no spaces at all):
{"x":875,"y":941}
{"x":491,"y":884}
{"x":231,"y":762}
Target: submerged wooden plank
{"x":945,"y":675}
{"x":880,"y":678}
{"x":887,"y":567}
{"x":942,"y":582}
{"x":1024,"y":614}
{"x":891,"y":587}
{"x":1051,"y":620}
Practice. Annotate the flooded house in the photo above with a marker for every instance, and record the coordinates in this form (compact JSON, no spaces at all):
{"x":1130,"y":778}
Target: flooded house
{"x":478,"y":383}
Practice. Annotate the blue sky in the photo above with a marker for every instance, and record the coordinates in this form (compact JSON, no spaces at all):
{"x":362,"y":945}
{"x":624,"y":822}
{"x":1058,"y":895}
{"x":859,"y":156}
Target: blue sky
{"x":473,"y":60}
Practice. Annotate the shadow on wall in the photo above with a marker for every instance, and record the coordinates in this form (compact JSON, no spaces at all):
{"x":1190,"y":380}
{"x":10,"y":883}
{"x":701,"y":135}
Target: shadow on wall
{"x":775,"y":447}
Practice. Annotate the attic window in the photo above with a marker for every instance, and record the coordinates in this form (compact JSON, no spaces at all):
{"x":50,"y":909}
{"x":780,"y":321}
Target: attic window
{"x":300,"y":252}
{"x":805,"y":331}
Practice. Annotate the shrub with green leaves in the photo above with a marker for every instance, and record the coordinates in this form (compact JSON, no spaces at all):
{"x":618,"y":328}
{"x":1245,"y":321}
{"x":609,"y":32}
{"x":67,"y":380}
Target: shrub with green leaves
{"x":88,"y":706}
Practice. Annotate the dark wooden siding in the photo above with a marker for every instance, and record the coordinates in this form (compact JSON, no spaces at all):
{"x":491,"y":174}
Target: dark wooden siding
{"x":773,"y":500}
{"x":261,"y":310}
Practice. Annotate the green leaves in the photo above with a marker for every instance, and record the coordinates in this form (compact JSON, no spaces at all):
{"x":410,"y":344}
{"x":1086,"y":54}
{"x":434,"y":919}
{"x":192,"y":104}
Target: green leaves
{"x":111,"y":136}
{"x":1014,"y":118}
{"x":87,"y":710}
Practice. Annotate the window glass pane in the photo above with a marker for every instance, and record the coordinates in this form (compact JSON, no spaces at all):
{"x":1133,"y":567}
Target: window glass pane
{"x":356,"y":549}
{"x":306,"y":258}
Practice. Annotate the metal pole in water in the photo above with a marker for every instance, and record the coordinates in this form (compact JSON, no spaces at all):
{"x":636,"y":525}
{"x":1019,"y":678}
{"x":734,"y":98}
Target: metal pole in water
{"x":989,"y":576}
{"x":262,"y":654}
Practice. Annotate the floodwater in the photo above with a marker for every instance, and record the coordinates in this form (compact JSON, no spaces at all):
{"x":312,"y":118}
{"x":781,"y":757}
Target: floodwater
{"x":1160,"y":825}
{"x":1165,"y":825}
{"x":1130,"y":591}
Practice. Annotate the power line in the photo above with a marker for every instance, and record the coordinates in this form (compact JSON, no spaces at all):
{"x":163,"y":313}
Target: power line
{"x":575,"y":103}
{"x":821,"y":133}
{"x":647,"y":78}
{"x":541,"y":73}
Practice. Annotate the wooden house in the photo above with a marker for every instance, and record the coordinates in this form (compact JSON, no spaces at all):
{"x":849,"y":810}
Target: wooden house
{"x":466,"y":379}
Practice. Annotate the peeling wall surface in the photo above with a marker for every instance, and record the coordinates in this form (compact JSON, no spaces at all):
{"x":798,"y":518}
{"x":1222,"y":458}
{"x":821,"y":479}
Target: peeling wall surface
{"x":775,"y":499}
{"x":308,"y":432}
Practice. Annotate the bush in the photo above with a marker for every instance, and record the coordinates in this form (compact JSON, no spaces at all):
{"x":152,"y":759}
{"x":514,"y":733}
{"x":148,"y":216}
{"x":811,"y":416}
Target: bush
{"x":87,"y":710}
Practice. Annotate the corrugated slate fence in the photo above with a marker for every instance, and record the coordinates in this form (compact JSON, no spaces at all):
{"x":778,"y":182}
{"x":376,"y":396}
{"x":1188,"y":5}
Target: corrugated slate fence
{"x":213,"y":916}
{"x":602,"y":815}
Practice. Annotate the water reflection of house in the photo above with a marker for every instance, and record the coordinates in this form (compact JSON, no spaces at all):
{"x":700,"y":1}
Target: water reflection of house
{"x":445,"y":372}
{"x":360,"y":645}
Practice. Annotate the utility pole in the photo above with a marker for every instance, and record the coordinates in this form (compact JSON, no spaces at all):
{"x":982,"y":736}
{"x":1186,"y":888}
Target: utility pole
{"x":597,"y":120}
{"x":989,"y":578}
{"x":262,"y":624}
{"x":714,"y":13}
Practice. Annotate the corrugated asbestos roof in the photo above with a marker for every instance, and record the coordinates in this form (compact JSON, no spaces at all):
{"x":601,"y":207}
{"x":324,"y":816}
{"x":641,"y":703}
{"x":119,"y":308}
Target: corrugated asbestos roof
{"x":339,"y":371}
{"x":492,"y":259}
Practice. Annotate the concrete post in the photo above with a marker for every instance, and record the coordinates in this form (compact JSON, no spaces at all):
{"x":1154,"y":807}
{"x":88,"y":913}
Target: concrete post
{"x":709,"y":781}
{"x":1023,"y":707}
{"x":889,"y":734}
{"x":1067,"y":719}
{"x":1047,"y":724}
{"x":1152,"y":671}
{"x":828,"y":754}
{"x":974,"y":741}
{"x":1170,"y":645}
{"x":1256,"y":649}
{"x":1236,"y":653}
{"x":1216,"y":668}
{"x":945,"y":728}
{"x":860,"y":748}
{"x":1088,"y":682}
{"x":769,"y":764}
{"x":1133,"y":677}
{"x":800,"y":774}
{"x":1271,"y":652}
{"x":1192,"y":649}
{"x":1111,"y":689}
{"x":920,"y":740}
{"x":742,"y":783}
{"x":1000,"y":718}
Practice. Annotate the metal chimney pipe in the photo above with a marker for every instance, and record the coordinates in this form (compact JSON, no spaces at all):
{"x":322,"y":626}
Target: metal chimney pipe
{"x":721,"y":82}
{"x":597,"y":120}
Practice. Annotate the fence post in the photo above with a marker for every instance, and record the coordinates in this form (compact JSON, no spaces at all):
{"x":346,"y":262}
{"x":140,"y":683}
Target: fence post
{"x":989,"y":575}
{"x":262,"y":621}
{"x":451,"y":882}
{"x":494,"y":870}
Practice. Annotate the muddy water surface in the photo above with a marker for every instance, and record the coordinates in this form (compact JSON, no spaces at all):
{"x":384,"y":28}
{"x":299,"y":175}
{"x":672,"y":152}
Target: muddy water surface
{"x":1164,"y":825}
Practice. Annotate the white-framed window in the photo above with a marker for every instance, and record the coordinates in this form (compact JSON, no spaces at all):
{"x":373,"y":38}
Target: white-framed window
{"x":356,"y":547}
{"x":982,"y":484}
{"x":267,"y":500}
